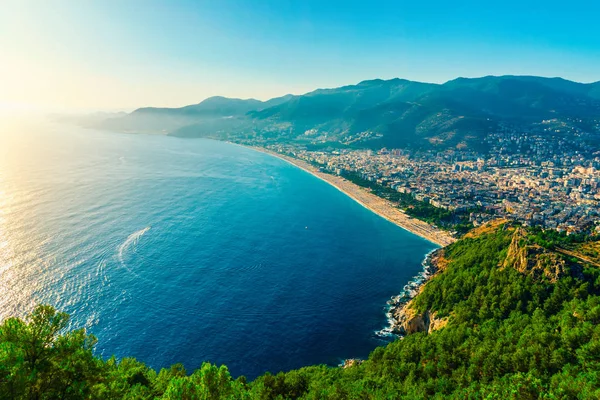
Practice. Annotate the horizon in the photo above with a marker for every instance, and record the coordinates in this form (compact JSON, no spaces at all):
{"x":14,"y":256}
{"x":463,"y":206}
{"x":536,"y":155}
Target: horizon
{"x":299,"y":199}
{"x":23,"y":110}
{"x":125,"y":55}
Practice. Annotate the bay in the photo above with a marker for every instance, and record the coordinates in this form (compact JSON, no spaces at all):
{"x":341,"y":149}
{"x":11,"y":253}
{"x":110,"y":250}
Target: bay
{"x":172,"y":250}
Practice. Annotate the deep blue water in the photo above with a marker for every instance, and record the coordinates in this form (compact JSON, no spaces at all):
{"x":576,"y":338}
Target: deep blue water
{"x":173,"y":250}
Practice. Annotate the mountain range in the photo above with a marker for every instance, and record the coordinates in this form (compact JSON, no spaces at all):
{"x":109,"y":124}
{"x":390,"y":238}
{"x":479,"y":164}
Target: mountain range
{"x":381,"y":113}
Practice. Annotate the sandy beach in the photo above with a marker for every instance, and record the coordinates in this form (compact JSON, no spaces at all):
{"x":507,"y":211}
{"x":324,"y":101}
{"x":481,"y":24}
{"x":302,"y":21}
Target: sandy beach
{"x":370,"y":201}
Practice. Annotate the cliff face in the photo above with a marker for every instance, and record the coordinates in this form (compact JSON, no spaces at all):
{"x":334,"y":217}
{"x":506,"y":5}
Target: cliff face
{"x":522,"y":254}
{"x":407,"y":320}
{"x":533,"y":260}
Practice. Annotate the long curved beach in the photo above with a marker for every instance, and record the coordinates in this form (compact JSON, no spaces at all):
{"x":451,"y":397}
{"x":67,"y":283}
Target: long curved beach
{"x":379,"y":206}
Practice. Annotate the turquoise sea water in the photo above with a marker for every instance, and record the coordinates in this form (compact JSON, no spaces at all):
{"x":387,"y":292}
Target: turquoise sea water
{"x":173,"y":250}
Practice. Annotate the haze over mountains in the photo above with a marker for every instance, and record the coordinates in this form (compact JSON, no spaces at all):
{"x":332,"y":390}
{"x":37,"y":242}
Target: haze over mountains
{"x":383,"y":113}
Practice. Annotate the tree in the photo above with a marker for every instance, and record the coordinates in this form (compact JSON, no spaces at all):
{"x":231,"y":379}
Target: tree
{"x":39,"y":363}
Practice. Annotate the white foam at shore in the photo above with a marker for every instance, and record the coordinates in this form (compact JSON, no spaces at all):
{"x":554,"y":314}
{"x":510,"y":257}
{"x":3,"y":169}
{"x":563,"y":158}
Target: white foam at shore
{"x":409,"y":291}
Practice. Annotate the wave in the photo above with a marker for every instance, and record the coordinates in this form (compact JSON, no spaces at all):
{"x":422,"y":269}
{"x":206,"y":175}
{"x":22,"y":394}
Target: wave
{"x":409,"y":291}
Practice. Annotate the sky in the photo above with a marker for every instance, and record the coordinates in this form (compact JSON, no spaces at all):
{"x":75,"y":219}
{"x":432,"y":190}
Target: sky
{"x":124,"y":54}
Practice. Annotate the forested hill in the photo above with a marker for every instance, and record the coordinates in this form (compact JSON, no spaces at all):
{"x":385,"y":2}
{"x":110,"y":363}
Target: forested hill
{"x":384,"y":113}
{"x":521,"y":312}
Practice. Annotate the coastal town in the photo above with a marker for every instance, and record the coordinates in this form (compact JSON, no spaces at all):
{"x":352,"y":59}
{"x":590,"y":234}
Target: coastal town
{"x":536,"y":178}
{"x":372,"y":202}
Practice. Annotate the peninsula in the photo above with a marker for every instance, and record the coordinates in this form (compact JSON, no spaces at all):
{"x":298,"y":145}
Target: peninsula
{"x":370,"y":201}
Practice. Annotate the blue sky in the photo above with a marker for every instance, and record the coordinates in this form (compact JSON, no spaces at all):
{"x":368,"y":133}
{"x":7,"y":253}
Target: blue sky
{"x":125,"y":53}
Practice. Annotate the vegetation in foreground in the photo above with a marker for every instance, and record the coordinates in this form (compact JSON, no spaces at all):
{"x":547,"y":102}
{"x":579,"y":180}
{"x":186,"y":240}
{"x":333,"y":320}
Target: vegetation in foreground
{"x":523,"y":324}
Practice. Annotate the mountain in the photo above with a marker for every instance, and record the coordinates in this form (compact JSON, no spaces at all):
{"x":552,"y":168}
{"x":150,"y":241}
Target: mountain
{"x":523,"y":97}
{"x":216,"y":106}
{"x":398,"y":113}
{"x":511,"y":313}
{"x":382,"y":113}
{"x":213,"y":110}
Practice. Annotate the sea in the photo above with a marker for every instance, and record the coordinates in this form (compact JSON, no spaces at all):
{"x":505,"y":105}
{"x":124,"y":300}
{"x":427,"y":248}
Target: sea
{"x":191,"y":250}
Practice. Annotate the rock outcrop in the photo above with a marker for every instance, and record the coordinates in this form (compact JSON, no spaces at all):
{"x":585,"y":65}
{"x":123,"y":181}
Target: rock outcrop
{"x":351,"y":362}
{"x":534,"y":260}
{"x":408,"y":321}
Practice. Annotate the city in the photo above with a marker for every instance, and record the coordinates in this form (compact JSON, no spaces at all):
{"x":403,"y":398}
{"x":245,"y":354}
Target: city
{"x":537,"y":177}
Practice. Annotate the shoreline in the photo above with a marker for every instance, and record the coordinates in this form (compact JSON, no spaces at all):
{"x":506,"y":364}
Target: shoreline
{"x":395,"y":307}
{"x":370,"y":201}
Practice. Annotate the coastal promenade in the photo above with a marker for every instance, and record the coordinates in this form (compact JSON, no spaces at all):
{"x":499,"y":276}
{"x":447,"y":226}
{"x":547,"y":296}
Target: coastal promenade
{"x":378,"y":205}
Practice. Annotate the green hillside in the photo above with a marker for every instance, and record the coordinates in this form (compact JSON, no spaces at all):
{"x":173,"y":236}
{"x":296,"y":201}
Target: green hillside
{"x":520,"y":312}
{"x":401,"y":113}
{"x":381,"y":113}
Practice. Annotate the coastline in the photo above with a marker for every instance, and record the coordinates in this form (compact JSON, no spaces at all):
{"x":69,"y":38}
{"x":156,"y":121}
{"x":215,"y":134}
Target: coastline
{"x":397,"y":307}
{"x":397,"y":312}
{"x":372,"y":202}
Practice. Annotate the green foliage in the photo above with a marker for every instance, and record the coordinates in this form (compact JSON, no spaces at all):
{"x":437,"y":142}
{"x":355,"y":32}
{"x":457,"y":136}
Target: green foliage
{"x":552,"y":239}
{"x":208,"y":382}
{"x":37,"y":362}
{"x":509,"y":336}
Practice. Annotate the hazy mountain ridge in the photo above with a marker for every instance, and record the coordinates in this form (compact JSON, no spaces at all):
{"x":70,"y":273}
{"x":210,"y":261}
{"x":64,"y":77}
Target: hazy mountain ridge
{"x":167,"y":120}
{"x":377,"y":113}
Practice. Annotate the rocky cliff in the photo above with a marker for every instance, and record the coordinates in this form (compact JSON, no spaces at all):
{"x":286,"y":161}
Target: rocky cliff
{"x":406,"y":319}
{"x":533,"y":260}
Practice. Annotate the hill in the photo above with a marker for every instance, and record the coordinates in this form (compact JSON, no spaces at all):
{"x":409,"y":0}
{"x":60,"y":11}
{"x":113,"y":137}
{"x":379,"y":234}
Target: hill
{"x":212,"y":111}
{"x":517,"y":318}
{"x":382,"y":113}
{"x":400,"y":113}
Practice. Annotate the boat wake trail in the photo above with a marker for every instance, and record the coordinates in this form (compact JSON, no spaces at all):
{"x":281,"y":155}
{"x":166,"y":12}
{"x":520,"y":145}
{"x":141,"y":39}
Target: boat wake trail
{"x":131,"y":240}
